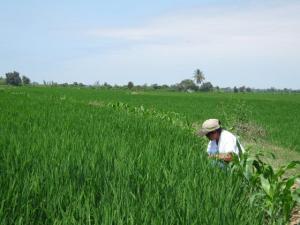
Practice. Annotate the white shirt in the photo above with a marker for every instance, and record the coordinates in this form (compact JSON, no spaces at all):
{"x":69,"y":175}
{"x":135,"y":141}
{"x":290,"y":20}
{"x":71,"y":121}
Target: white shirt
{"x":227,"y":144}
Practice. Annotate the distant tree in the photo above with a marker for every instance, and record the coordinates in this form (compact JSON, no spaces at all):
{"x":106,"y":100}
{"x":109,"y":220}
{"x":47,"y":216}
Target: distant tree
{"x":154,"y":86}
{"x":138,"y":87}
{"x":13,"y":78}
{"x":2,"y":81}
{"x":235,"y":89}
{"x":53,"y":83}
{"x":187,"y":84}
{"x":272,"y":89}
{"x":130,"y":85}
{"x":248,"y":89}
{"x":199,"y":76}
{"x":207,"y":86}
{"x":107,"y":85}
{"x":25,"y":80}
{"x":75,"y":84}
{"x":242,"y":89}
{"x":173,"y":87}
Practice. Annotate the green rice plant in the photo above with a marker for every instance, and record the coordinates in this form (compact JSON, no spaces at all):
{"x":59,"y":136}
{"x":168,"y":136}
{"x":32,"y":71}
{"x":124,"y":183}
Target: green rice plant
{"x":273,"y":116}
{"x":271,"y":191}
{"x":172,"y":117}
{"x":63,"y":161}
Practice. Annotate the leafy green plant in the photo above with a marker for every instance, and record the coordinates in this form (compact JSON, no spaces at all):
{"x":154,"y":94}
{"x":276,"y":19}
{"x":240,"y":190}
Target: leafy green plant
{"x":238,"y":120}
{"x":270,"y":188}
{"x":173,"y":118}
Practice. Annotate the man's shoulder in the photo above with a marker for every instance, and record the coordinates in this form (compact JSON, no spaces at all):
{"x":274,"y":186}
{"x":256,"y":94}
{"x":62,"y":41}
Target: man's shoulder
{"x":228,"y":142}
{"x":228,"y":134}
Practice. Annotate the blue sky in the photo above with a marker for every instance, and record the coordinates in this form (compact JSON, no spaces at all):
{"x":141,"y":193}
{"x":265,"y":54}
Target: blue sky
{"x":252,"y":43}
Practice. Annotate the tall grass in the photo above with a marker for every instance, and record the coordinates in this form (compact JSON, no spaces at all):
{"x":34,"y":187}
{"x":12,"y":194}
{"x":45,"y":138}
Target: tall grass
{"x":278,"y":114}
{"x":64,"y":162}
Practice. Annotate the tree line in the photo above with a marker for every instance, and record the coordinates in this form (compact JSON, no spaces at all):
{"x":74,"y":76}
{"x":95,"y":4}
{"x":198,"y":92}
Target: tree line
{"x":14,"y":78}
{"x":190,"y":85}
{"x":194,"y":84}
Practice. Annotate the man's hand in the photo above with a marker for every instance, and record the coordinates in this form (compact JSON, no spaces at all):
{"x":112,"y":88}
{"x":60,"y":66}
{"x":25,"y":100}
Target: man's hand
{"x":226,"y":157}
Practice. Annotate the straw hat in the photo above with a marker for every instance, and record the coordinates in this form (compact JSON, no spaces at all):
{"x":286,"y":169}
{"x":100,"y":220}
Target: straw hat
{"x":209,"y":126}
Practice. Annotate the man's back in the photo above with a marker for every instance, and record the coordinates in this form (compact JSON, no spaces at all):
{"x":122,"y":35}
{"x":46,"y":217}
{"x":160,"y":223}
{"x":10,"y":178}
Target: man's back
{"x":227,"y":143}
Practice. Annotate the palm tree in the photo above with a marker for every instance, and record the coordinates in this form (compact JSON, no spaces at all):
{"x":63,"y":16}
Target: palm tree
{"x":199,"y":76}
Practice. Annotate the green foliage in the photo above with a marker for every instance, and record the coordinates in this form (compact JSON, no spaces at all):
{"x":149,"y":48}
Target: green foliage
{"x":207,"y":86}
{"x":238,"y":120}
{"x":239,"y":114}
{"x":2,"y":81}
{"x":173,"y":118}
{"x":272,"y":191}
{"x":63,"y":161}
{"x":273,"y":123}
{"x":13,"y":78}
{"x":187,"y":84}
{"x":235,"y":89}
{"x":199,"y":76}
{"x":25,"y":80}
{"x":130,"y":85}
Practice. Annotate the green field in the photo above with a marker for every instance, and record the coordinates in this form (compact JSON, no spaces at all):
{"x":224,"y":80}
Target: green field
{"x":66,"y":158}
{"x":277,"y":114}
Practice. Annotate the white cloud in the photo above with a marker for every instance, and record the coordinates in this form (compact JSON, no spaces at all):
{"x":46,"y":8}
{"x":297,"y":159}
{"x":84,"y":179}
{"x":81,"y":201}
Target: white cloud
{"x":204,"y":26}
{"x":236,"y":39}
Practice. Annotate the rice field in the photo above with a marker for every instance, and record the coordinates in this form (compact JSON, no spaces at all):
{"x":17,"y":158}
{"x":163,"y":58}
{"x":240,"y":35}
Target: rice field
{"x":277,"y":114}
{"x":64,"y":160}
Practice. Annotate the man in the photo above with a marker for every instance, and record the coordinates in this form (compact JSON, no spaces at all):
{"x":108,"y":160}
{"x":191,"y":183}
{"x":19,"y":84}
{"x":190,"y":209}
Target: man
{"x":222,"y":144}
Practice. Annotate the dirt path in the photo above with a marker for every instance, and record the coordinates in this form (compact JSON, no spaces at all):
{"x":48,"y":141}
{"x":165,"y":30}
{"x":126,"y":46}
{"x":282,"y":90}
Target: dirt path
{"x":282,"y":155}
{"x":295,"y":219}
